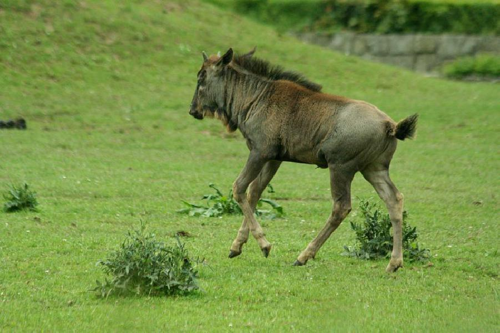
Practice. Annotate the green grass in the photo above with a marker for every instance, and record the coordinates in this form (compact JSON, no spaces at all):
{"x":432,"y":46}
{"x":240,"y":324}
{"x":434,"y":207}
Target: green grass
{"x":105,"y":88}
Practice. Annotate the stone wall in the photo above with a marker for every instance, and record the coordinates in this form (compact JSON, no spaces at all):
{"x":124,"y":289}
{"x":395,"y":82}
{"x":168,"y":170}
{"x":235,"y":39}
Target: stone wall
{"x":423,"y":53}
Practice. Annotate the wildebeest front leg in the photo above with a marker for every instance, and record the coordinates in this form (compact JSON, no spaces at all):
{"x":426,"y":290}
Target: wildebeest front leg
{"x":257,"y":186}
{"x":340,"y":182}
{"x":250,"y":172}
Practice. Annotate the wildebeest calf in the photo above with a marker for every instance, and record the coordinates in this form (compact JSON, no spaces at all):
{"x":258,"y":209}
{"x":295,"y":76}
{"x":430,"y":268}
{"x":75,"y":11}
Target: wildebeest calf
{"x":285,"y":117}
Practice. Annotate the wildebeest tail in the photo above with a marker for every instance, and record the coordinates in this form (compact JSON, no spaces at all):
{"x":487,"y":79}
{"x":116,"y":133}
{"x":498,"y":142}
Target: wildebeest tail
{"x":407,"y":127}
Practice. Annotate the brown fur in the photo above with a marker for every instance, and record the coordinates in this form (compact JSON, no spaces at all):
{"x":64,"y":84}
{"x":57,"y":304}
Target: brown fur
{"x":285,"y":117}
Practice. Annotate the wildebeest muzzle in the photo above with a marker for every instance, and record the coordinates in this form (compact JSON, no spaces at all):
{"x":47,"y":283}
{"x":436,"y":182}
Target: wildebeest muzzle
{"x":193,"y":109}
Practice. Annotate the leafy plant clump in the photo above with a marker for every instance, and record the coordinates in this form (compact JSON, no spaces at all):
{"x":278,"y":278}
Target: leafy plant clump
{"x":20,"y":198}
{"x":481,"y":66}
{"x":219,"y":204}
{"x":144,"y":266}
{"x":374,"y":239}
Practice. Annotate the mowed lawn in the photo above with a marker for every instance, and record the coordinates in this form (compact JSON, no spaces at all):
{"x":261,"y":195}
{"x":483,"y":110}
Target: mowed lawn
{"x":105,"y":87}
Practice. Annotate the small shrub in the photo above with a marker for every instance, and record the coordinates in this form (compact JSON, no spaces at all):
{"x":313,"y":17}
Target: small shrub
{"x":219,"y":204}
{"x":374,"y":239}
{"x":144,"y":266}
{"x":20,"y":198}
{"x":484,"y":65}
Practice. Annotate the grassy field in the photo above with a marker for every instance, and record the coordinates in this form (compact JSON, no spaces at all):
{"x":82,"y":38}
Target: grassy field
{"x":105,"y":88}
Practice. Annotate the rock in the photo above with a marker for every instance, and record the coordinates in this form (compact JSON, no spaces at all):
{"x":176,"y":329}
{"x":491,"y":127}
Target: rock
{"x":359,"y":46}
{"x":425,"y":62}
{"x":401,"y":44}
{"x":450,"y":46}
{"x":342,"y":42}
{"x":378,"y":45}
{"x":425,"y":44}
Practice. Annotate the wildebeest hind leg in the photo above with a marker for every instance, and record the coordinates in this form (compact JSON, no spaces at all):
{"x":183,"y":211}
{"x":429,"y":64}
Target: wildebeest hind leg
{"x":378,"y":176}
{"x":340,"y":182}
{"x":254,"y":192}
{"x":250,"y":172}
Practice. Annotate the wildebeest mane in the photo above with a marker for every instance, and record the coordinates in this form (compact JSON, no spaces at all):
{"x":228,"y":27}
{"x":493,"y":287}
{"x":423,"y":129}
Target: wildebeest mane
{"x":265,"y":69}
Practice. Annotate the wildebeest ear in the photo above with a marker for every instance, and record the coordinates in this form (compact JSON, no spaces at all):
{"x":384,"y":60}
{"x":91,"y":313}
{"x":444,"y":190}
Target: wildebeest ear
{"x":249,"y":54}
{"x":205,"y":57}
{"x":226,"y":58}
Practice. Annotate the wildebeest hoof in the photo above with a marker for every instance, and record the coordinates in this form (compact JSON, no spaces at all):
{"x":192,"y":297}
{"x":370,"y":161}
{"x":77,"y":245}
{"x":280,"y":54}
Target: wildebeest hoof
{"x":298,"y":263}
{"x":266,"y":251}
{"x":394,"y":265}
{"x":233,"y":254}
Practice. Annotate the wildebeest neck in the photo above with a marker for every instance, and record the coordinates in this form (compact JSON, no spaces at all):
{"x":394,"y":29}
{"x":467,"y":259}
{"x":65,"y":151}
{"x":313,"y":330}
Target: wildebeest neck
{"x":244,"y":93}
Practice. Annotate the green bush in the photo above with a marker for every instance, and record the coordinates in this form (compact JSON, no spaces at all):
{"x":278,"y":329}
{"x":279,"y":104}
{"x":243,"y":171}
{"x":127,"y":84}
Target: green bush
{"x":484,"y":65}
{"x":219,"y":204}
{"x":144,"y":266}
{"x":374,"y":239}
{"x":20,"y":198}
{"x":374,"y":16}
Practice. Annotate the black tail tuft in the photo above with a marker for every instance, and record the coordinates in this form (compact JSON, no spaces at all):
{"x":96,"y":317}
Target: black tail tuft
{"x":407,"y":127}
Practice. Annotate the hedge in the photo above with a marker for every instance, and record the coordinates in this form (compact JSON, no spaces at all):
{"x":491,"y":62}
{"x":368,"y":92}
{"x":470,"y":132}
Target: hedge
{"x":374,"y":16}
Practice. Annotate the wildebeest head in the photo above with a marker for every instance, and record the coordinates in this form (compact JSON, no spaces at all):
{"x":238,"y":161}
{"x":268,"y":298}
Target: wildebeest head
{"x":209,"y":93}
{"x":208,"y":99}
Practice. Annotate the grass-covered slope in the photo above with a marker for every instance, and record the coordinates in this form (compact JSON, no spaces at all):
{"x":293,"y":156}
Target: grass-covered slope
{"x":105,"y":88}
